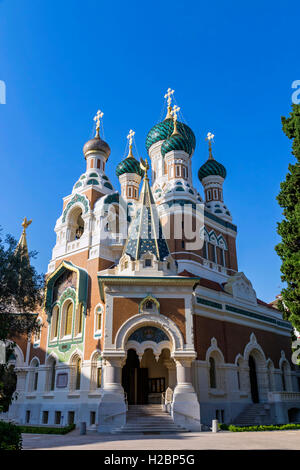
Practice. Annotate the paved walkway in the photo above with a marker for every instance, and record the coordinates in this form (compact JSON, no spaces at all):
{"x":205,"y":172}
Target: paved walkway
{"x":278,"y":440}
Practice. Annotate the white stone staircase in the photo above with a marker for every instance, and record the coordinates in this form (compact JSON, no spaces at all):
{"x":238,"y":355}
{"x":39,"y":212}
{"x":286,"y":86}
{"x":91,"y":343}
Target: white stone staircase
{"x":148,"y":419}
{"x":254,"y":414}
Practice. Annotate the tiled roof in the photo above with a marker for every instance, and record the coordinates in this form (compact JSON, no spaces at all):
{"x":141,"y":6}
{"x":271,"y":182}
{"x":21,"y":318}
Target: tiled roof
{"x":145,"y":232}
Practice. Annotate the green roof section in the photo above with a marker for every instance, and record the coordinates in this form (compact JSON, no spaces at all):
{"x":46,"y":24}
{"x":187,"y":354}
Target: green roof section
{"x":163,"y":130}
{"x":176,"y":142}
{"x":82,"y":285}
{"x":211,"y":167}
{"x":145,"y":232}
{"x":129,"y":165}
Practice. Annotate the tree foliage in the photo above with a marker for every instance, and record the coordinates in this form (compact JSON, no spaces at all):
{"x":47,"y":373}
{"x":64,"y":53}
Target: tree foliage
{"x":20,"y":290}
{"x":20,"y":294}
{"x":289,"y":228}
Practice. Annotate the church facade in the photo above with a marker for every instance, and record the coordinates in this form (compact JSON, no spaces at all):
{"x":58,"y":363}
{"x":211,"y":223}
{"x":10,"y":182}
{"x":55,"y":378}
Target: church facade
{"x":144,"y":303}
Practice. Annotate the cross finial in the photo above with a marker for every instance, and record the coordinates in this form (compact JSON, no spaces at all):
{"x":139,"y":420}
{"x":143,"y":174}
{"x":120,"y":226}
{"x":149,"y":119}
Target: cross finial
{"x":130,"y":137}
{"x":174,"y":112}
{"x":144,"y":166}
{"x":97,"y":119}
{"x":26,"y":224}
{"x":210,"y":138}
{"x":168,"y":97}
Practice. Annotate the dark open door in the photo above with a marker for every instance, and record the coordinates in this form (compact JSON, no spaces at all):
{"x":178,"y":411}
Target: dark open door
{"x":129,"y":376}
{"x":253,"y":380}
{"x":142,"y":386}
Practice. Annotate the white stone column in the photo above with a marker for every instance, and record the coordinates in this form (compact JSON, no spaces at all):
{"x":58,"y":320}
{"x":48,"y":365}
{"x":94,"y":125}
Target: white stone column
{"x":185,"y":406}
{"x":112,"y":407}
{"x":21,"y":379}
{"x":171,"y":366}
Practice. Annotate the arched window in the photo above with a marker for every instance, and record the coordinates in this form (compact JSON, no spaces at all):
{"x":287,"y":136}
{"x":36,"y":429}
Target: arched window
{"x":33,"y":376}
{"x":75,"y":224}
{"x":212,"y":252}
{"x":96,"y":372}
{"x":51,"y":373}
{"x":79,"y":320}
{"x":238,"y":372}
{"x":75,"y":372}
{"x":67,"y":319}
{"x":284,"y":376}
{"x":54,"y":323}
{"x":212,"y":373}
{"x":98,"y":320}
{"x":78,"y":374}
{"x":149,"y":305}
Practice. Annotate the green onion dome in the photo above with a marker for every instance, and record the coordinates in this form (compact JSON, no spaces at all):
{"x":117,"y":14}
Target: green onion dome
{"x":211,"y":167}
{"x":164,"y":129}
{"x":176,"y":142}
{"x":129,"y":165}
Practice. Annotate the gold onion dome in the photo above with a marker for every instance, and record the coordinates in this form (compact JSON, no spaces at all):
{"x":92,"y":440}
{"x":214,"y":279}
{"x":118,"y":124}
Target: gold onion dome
{"x":96,"y":145}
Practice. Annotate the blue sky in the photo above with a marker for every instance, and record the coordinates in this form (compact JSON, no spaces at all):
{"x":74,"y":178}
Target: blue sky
{"x":231,"y":64}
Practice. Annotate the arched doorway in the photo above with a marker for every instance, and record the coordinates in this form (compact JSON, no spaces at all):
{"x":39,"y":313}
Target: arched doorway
{"x":135,"y":380}
{"x":253,"y":380}
{"x":144,"y":381}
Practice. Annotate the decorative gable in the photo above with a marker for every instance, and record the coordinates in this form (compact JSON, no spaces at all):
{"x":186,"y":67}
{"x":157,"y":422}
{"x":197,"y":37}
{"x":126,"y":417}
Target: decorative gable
{"x":240,"y":287}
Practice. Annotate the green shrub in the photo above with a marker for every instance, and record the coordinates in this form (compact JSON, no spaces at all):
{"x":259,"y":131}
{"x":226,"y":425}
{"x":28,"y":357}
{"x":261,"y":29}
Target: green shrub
{"x":10,"y":436}
{"x":46,"y":430}
{"x":273,"y":427}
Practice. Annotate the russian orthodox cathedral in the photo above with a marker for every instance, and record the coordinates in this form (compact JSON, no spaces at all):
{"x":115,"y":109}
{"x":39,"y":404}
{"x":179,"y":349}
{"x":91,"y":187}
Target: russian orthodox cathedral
{"x":145,"y":308}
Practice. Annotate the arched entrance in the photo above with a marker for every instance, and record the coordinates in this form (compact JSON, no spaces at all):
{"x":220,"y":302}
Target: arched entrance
{"x":145,"y":380}
{"x":253,"y":380}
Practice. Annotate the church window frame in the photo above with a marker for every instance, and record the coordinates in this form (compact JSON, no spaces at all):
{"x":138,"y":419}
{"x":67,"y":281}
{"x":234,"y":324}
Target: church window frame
{"x":54,"y":324}
{"x":96,"y":376}
{"x":76,"y":223}
{"x":212,"y":373}
{"x":79,"y":318}
{"x":98,"y":321}
{"x":33,"y":378}
{"x":67,"y":318}
{"x":51,"y":374}
{"x":75,"y":372}
{"x":208,"y":195}
{"x":178,"y":171}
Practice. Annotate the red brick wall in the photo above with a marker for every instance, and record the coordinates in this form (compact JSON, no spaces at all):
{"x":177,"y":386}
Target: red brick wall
{"x":232,"y":339}
{"x":123,"y":309}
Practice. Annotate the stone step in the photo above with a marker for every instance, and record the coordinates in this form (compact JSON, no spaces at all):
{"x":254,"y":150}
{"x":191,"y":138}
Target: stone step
{"x":148,"y":419}
{"x":252,"y":415}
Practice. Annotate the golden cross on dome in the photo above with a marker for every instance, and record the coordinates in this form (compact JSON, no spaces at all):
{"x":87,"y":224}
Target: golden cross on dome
{"x":130,"y":137}
{"x":174,"y":112}
{"x":97,"y":119}
{"x":168,"y":97}
{"x":210,"y":138}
